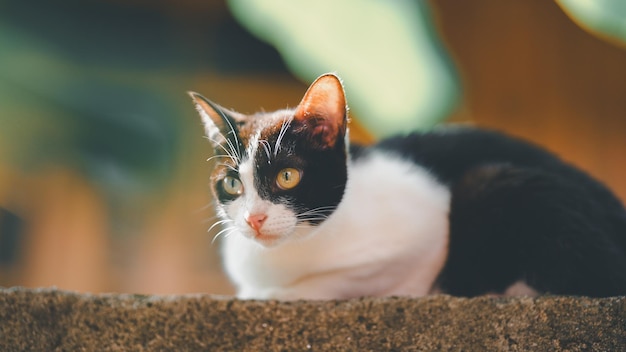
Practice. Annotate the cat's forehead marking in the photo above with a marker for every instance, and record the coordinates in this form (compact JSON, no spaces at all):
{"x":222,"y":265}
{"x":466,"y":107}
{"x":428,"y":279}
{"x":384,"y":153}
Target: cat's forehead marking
{"x":253,"y":145}
{"x":264,"y":132}
{"x":263,"y":121}
{"x":246,"y":170}
{"x":253,"y":203}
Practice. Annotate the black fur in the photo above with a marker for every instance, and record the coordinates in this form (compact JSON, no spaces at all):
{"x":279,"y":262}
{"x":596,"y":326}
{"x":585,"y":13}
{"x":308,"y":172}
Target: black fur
{"x":324,"y":174}
{"x":518,"y":213}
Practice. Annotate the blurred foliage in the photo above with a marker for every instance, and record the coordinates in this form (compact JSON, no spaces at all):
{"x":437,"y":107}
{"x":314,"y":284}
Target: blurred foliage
{"x":99,"y":86}
{"x":85,"y":85}
{"x":606,"y":18}
{"x":397,"y":75}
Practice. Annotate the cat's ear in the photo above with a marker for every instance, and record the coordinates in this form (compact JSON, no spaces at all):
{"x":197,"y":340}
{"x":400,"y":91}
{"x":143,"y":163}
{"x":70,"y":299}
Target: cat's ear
{"x":322,"y":114}
{"x":219,"y":123}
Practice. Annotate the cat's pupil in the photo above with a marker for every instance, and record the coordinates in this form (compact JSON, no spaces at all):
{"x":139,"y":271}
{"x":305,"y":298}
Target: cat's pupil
{"x":232,"y":185}
{"x":288,"y":178}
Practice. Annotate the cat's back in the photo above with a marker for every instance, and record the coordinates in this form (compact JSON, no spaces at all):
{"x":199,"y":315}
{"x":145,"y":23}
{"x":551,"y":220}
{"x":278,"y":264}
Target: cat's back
{"x":451,"y":151}
{"x":514,"y":209}
{"x":455,"y":153}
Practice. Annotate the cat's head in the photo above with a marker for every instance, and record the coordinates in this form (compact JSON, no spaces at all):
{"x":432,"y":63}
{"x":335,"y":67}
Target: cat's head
{"x":278,"y":175}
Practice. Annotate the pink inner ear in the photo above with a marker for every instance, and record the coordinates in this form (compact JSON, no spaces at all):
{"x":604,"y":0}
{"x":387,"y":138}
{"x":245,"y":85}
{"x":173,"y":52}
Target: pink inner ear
{"x":322,"y":111}
{"x":324,"y":131}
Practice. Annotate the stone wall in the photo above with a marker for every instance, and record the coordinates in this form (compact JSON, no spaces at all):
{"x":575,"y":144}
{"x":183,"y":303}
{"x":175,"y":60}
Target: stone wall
{"x":51,"y":320}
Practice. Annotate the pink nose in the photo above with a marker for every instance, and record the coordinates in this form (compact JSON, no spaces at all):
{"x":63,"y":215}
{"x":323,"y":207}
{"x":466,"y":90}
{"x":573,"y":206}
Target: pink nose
{"x":256,"y":221}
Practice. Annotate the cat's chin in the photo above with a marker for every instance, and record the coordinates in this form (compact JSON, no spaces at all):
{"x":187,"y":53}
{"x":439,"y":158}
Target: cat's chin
{"x":274,"y":240}
{"x":268,"y":241}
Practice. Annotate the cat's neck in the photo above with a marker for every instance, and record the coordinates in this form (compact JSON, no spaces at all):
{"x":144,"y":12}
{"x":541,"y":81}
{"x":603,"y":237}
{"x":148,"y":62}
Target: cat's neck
{"x":357,"y":234}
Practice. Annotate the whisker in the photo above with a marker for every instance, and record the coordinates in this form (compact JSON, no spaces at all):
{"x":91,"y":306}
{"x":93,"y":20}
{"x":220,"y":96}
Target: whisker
{"x":320,"y":209}
{"x":232,"y":130}
{"x":218,"y":156}
{"x":320,"y":214}
{"x":281,"y":134}
{"x":228,"y":166}
{"x":232,"y":148}
{"x":312,"y":219}
{"x":311,"y":213}
{"x":326,"y":209}
{"x":217,"y":223}
{"x":230,"y":228}
{"x":228,"y":234}
{"x":209,"y":220}
{"x":266,"y":145}
{"x":205,"y":208}
{"x":228,"y":153}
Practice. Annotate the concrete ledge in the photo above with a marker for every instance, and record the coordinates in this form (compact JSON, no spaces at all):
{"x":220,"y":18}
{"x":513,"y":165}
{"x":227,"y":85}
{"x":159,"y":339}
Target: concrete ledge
{"x":49,"y":320}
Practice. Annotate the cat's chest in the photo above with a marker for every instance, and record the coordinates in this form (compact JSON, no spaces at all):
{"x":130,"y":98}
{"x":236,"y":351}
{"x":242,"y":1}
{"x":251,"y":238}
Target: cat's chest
{"x":393,"y":219}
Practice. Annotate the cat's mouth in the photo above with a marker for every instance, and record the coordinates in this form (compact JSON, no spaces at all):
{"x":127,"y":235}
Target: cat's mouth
{"x":266,"y":239}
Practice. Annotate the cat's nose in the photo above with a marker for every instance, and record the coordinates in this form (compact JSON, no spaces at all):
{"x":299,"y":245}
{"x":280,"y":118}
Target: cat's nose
{"x":256,"y":221}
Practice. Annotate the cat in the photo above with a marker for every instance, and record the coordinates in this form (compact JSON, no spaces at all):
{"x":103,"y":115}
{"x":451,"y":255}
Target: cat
{"x":458,"y":210}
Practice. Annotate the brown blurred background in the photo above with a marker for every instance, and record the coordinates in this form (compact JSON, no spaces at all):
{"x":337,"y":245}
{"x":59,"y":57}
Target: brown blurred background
{"x":524,"y":66}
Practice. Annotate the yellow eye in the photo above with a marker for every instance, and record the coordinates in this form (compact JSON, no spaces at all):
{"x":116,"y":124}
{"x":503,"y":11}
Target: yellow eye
{"x":288,"y":178}
{"x":232,"y":186}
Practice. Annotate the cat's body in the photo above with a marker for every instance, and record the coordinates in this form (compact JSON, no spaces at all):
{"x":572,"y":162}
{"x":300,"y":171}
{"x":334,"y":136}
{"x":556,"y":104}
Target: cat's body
{"x":459,"y":210}
{"x":374,"y":243}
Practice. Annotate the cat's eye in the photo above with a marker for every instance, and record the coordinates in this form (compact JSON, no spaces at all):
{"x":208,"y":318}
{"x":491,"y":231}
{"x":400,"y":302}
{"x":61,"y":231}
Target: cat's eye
{"x":288,"y":178}
{"x":232,"y":186}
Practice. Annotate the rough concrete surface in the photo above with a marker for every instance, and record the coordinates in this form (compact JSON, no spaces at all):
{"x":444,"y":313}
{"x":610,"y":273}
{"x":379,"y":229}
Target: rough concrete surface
{"x":51,"y":320}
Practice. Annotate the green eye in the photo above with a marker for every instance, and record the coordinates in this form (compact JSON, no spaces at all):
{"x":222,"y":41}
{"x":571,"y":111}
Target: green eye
{"x":232,"y":185}
{"x":288,"y":178}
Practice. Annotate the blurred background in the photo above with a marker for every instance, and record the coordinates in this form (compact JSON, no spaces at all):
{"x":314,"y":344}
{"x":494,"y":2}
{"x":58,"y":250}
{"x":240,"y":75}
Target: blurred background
{"x":103,"y":172}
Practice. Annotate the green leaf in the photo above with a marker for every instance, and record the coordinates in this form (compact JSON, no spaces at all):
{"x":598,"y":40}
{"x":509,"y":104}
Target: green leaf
{"x":605,"y":18}
{"x":396,"y":73}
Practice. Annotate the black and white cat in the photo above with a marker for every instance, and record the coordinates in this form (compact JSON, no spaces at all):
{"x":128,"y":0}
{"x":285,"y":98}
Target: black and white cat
{"x":459,"y":210}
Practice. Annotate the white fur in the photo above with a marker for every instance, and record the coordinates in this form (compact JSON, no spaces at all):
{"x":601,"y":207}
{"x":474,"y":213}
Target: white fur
{"x":388,"y":236}
{"x":520,"y":288}
{"x":211,"y":129}
{"x":280,"y":219}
